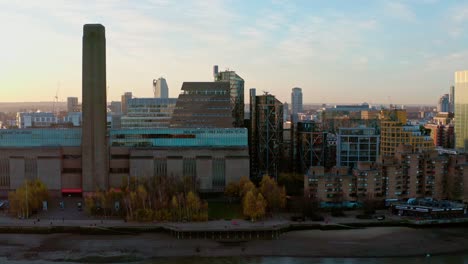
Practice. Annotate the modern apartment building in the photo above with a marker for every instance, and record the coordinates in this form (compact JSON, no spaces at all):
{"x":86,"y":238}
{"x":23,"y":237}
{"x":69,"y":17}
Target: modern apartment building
{"x":236,"y":93}
{"x":407,"y":174}
{"x":266,"y":134}
{"x":356,"y":144}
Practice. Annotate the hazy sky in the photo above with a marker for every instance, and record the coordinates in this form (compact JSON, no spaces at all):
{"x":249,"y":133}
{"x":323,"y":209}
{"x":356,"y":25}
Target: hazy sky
{"x":336,"y":51}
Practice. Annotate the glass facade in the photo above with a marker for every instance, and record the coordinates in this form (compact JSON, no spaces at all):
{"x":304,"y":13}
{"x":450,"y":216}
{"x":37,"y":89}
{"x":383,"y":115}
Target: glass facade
{"x":356,"y":144}
{"x":461,"y":110}
{"x":179,"y":137}
{"x":148,"y":112}
{"x":40,"y":137}
{"x":236,"y":84}
{"x":163,"y":137}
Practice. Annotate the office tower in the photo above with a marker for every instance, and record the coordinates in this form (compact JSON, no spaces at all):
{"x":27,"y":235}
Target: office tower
{"x":266,"y":135}
{"x":203,"y":105}
{"x":236,"y":88}
{"x":148,"y":112}
{"x":160,"y":88}
{"x":95,"y":155}
{"x":461,"y":110}
{"x":355,"y":145}
{"x":125,"y":97}
{"x":444,"y":104}
{"x":72,"y":104}
{"x":296,"y":101}
{"x":452,"y":99}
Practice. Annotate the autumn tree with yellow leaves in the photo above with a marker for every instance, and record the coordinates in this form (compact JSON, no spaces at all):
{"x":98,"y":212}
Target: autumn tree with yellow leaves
{"x":28,"y":198}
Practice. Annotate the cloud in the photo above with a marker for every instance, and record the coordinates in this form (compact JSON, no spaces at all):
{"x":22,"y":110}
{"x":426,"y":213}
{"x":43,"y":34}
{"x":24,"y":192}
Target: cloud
{"x":324,"y":38}
{"x":399,"y":10}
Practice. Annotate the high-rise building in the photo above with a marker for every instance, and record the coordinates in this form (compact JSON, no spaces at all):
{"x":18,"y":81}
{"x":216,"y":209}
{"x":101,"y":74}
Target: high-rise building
{"x":236,"y":88}
{"x":125,"y":97}
{"x":266,"y":134}
{"x":203,"y":105}
{"x":296,"y":101}
{"x":452,"y":99}
{"x":72,"y":104}
{"x":94,"y":146}
{"x":311,"y":146}
{"x":286,"y":116}
{"x":444,"y":103}
{"x":160,"y":88}
{"x":461,"y":110}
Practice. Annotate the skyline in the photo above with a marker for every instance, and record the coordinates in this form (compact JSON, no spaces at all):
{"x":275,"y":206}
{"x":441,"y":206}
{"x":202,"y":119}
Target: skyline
{"x":419,"y":42}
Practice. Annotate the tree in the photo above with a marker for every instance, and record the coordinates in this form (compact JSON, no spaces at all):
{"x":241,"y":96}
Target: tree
{"x":175,"y":208}
{"x":232,"y":190}
{"x":247,"y":187}
{"x":293,"y":182}
{"x":274,"y":195}
{"x":260,"y":206}
{"x":249,"y":205}
{"x":28,"y":198}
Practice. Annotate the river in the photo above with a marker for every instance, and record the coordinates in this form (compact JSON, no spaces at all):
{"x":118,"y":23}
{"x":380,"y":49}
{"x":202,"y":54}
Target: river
{"x":449,"y":259}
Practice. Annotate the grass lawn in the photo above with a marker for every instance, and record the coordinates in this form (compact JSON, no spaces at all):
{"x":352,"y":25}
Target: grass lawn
{"x":224,"y":210}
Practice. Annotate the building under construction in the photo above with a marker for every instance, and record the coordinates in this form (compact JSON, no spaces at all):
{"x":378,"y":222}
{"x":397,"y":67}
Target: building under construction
{"x":266,"y":135}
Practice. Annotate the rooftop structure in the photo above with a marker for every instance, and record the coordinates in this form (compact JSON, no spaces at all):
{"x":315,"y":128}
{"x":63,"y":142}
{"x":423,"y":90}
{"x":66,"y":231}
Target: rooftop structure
{"x":35,"y":119}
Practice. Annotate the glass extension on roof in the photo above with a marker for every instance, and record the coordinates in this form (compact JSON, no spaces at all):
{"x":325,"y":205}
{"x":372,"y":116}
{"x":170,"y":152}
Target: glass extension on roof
{"x":69,"y":137}
{"x":179,"y":137}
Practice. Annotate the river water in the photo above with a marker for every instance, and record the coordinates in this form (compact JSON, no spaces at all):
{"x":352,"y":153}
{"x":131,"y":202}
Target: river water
{"x":449,"y":259}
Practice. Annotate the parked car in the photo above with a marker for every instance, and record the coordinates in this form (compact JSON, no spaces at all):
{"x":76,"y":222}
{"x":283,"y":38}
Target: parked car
{"x":380,"y":217}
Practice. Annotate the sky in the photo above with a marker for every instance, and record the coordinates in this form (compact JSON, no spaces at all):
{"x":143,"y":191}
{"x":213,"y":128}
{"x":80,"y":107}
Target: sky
{"x":382,"y":51}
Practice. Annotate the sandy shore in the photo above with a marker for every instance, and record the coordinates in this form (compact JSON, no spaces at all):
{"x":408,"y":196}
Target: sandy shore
{"x":369,"y":242}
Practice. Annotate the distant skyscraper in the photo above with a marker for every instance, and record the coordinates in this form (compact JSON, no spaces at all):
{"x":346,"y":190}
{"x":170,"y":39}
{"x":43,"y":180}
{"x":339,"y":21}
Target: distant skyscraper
{"x":286,"y":116}
{"x":72,"y":104}
{"x":94,"y":146}
{"x":236,"y":93}
{"x":125,"y":97}
{"x":296,"y":101}
{"x":115,"y":107}
{"x":444,"y":104}
{"x":160,"y":88}
{"x":461,"y":110}
{"x":452,"y":99}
